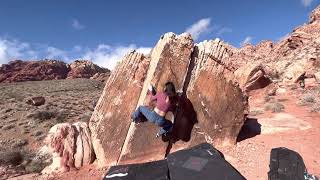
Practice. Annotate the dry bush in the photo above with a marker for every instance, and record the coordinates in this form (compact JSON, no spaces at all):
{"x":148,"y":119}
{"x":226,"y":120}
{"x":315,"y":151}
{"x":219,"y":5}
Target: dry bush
{"x":255,"y":112}
{"x":274,"y":107}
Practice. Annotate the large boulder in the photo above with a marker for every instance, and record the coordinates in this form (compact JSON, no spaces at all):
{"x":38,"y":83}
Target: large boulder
{"x":70,"y":146}
{"x":251,"y":77}
{"x":170,"y":60}
{"x":110,"y":121}
{"x":219,"y":104}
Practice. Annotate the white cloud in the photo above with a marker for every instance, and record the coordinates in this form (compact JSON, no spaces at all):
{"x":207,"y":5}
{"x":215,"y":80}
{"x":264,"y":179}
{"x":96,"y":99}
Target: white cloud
{"x":13,"y":49}
{"x":198,"y":28}
{"x":77,"y":25}
{"x":306,"y":3}
{"x":247,"y":40}
{"x":107,"y":56}
{"x":104,"y":55}
{"x":223,"y":30}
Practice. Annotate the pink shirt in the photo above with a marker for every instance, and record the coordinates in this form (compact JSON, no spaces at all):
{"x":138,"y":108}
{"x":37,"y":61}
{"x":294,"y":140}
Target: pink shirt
{"x":162,"y":105}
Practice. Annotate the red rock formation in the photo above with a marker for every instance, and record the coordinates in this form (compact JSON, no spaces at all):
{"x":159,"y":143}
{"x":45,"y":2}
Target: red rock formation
{"x":17,"y":71}
{"x":84,"y":69}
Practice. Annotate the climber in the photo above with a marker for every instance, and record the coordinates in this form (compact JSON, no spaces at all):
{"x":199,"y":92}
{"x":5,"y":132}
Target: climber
{"x":165,"y":101}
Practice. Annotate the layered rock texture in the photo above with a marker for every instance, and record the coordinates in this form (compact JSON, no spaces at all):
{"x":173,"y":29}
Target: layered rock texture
{"x":17,"y":71}
{"x":70,"y":145}
{"x":208,"y":97}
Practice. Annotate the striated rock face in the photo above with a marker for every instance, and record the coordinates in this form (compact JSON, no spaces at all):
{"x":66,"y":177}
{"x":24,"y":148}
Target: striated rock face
{"x":84,"y":69}
{"x":70,"y":145}
{"x":199,"y":72}
{"x":17,"y":71}
{"x":170,"y":59}
{"x":110,"y":121}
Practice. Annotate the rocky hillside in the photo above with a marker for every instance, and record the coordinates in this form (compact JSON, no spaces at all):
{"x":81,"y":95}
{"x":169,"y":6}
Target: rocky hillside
{"x":17,"y":71}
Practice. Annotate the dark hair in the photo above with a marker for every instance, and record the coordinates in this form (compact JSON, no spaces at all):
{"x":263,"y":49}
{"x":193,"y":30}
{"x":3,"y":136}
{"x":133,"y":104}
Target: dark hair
{"x":170,"y":90}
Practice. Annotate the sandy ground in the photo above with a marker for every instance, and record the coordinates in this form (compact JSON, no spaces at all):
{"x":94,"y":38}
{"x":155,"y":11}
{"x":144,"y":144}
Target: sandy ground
{"x":295,"y":128}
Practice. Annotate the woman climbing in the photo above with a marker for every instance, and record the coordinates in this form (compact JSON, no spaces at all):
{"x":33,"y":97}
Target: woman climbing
{"x":165,"y":102}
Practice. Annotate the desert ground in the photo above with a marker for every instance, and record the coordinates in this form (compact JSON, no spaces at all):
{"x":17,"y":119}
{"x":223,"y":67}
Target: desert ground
{"x":24,"y":126}
{"x":287,"y":117}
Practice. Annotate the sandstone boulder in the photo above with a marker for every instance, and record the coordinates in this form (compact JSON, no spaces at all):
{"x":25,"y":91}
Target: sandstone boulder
{"x":170,"y":60}
{"x":70,"y":146}
{"x":110,"y":121}
{"x":36,"y":101}
{"x":251,"y":77}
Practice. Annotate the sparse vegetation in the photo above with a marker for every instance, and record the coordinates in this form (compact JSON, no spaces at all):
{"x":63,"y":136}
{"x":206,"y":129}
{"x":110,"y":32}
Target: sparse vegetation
{"x":311,"y":99}
{"x":274,"y":106}
{"x":23,"y":125}
{"x":256,"y":112}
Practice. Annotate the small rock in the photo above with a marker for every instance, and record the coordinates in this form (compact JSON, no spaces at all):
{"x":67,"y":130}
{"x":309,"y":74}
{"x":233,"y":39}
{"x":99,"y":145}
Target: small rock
{"x":19,"y":143}
{"x":7,"y":127}
{"x":36,"y":101}
{"x":38,"y":133}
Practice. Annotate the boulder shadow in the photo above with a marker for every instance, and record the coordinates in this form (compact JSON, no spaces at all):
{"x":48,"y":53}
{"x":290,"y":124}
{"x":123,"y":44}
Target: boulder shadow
{"x":184,"y":120}
{"x":250,"y":129}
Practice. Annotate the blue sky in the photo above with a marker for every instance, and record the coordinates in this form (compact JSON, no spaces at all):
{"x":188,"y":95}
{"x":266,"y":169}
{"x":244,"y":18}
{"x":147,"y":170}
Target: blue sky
{"x":103,"y":30}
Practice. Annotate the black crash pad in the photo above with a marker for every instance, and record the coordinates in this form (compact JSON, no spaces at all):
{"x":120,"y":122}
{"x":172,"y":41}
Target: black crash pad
{"x":201,"y":162}
{"x":157,"y":170}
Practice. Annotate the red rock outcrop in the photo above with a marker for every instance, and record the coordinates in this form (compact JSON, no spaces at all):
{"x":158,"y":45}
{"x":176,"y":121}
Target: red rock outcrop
{"x":84,"y":69}
{"x":17,"y":71}
{"x":70,"y":146}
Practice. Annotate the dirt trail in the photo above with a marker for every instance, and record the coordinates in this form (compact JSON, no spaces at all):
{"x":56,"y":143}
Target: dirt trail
{"x":251,"y":156}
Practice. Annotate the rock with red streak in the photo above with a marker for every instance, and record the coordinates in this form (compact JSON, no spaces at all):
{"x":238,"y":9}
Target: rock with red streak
{"x":17,"y":71}
{"x":111,"y":119}
{"x":170,"y":59}
{"x":84,"y":69}
{"x":70,"y":146}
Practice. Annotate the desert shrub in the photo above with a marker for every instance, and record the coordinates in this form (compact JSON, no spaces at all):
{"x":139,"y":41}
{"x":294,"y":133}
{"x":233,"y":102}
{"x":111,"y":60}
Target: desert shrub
{"x":268,"y":98}
{"x":315,"y":108}
{"x":274,"y":107}
{"x":307,"y":99}
{"x":42,"y":115}
{"x":255,"y":112}
{"x":11,"y":158}
{"x":61,"y":116}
